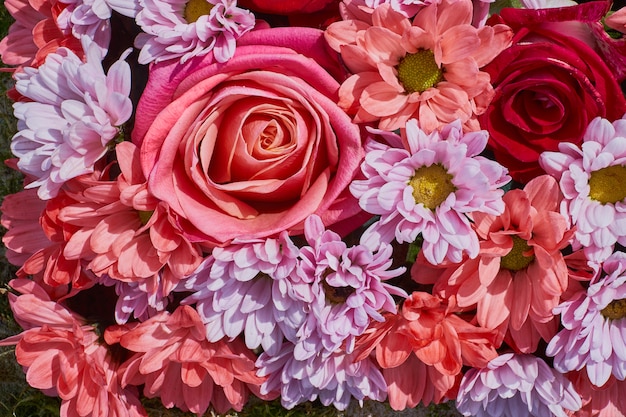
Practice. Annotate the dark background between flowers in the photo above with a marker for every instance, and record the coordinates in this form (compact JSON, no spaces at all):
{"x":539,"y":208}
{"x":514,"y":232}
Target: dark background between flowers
{"x":17,"y":399}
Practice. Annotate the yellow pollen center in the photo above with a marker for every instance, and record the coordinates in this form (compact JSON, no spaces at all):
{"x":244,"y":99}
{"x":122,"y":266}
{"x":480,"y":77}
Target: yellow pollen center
{"x":608,"y":185}
{"x":196,"y":8}
{"x":615,"y":310}
{"x":431,"y":185}
{"x":419,"y":72}
{"x":515,"y":260}
{"x":144,"y":216}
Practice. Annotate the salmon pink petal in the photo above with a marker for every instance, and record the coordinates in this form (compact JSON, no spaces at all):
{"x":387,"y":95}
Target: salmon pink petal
{"x":460,"y":44}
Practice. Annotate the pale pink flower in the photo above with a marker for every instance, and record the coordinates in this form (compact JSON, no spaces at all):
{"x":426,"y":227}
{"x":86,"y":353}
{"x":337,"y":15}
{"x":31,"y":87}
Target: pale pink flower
{"x":74,"y":116}
{"x":348,"y":289}
{"x":520,"y":272}
{"x":125,"y":233}
{"x":249,"y":288}
{"x":62,"y":356}
{"x":181,"y":29}
{"x":175,"y":362}
{"x":426,"y":68}
{"x":617,"y":20}
{"x":430,"y":185}
{"x":593,"y":181}
{"x":360,"y":9}
{"x":332,"y":377}
{"x":594,"y":324}
{"x":138,"y":299}
{"x":515,"y":385}
{"x":92,"y":19}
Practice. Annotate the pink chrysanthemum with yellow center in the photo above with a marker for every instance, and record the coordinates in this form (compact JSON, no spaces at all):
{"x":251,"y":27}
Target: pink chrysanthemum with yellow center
{"x":593,"y":181}
{"x":426,"y":68}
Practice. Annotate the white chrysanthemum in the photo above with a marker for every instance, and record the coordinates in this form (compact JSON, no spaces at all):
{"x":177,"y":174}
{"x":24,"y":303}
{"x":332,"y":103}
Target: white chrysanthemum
{"x":74,"y":115}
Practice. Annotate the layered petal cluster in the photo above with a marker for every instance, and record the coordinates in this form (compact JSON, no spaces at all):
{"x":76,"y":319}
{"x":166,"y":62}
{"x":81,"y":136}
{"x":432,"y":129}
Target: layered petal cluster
{"x":605,"y":401}
{"x":34,"y":34}
{"x":520,"y":273}
{"x":426,"y":68}
{"x":62,"y":356}
{"x":175,"y":362}
{"x":74,"y":115}
{"x":429,"y":184}
{"x":348,"y":289}
{"x":592,"y":178}
{"x":123,"y":232}
{"x":182,"y":29}
{"x":250,"y":288}
{"x":333,"y":379}
{"x":516,"y":385}
{"x":423,"y":349}
{"x":594,"y":324}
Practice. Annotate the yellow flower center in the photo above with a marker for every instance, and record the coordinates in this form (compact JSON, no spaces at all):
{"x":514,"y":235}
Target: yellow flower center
{"x":431,"y":185}
{"x":144,"y":216}
{"x":196,"y":8}
{"x":615,"y":310}
{"x":419,"y":72}
{"x":608,"y":185}
{"x":515,"y":260}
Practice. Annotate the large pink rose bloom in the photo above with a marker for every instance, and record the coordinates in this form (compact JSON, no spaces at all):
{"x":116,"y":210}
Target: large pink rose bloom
{"x":253,"y":146}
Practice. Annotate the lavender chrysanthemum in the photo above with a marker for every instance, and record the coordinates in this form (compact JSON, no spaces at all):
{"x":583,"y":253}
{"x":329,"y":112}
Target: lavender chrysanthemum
{"x":430,"y":187}
{"x":91,"y":18}
{"x":593,"y":182}
{"x":348,"y":288}
{"x":249,"y":288}
{"x":181,"y":29}
{"x":333,"y":377}
{"x":514,"y":385}
{"x":73,"y":117}
{"x":594,"y":321}
{"x":139,"y":300}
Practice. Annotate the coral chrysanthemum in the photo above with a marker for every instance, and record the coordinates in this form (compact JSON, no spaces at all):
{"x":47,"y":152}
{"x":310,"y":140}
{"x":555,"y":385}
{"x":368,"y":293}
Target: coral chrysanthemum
{"x":124,"y":232}
{"x":175,"y":362}
{"x":429,"y":185}
{"x":62,"y":356}
{"x":594,"y":324}
{"x":182,"y":29}
{"x":73,"y":117}
{"x":427,"y":68}
{"x":423,"y":348}
{"x":593,"y":181}
{"x":520,"y":272}
{"x":515,"y":385}
{"x":34,"y":34}
{"x":250,"y":288}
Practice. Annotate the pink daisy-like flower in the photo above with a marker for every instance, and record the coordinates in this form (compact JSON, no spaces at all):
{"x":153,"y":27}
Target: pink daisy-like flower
{"x":516,"y":385}
{"x":605,"y":401}
{"x":427,"y":68}
{"x":175,"y":362}
{"x":333,"y":377}
{"x":429,"y":185}
{"x":593,"y":181}
{"x":74,"y":116}
{"x":250,"y":288}
{"x":138,"y":299}
{"x":182,"y":29}
{"x":91,"y":19}
{"x":348,"y":287}
{"x":520,"y":273}
{"x":363,"y":9}
{"x":124,"y":232}
{"x":594,"y":324}
{"x":62,"y":356}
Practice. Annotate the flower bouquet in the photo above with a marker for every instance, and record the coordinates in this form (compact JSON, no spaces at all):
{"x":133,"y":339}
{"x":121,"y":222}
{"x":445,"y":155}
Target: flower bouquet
{"x":360,"y":200}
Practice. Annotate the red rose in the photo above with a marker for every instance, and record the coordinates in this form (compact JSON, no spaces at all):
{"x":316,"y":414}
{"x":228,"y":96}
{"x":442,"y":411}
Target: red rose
{"x":548,"y":86}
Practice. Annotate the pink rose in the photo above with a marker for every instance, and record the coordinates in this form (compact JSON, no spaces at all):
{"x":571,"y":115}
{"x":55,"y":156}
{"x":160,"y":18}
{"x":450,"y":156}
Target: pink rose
{"x":251,"y":147}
